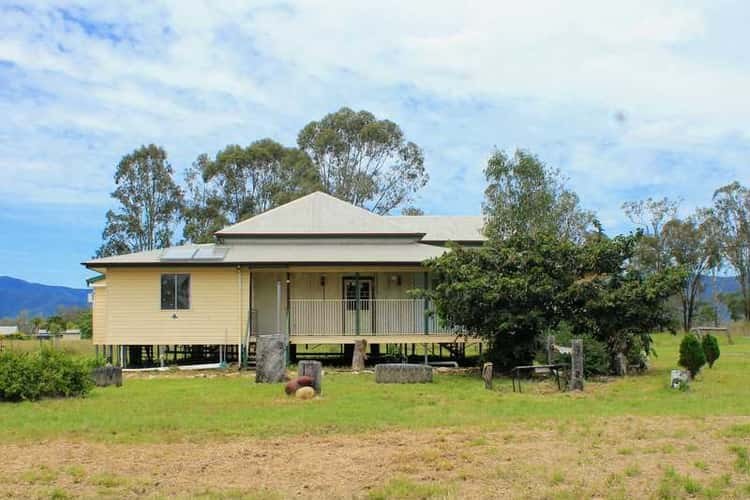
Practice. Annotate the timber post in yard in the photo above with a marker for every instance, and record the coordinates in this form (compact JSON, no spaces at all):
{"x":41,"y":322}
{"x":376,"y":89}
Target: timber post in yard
{"x":426,"y":306}
{"x":487,"y":373}
{"x":576,"y":368}
{"x":359,"y":356}
{"x":314,"y":370}
{"x":271,"y":358}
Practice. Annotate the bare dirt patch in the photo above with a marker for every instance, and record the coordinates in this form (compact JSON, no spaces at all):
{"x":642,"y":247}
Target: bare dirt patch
{"x":624,"y":457}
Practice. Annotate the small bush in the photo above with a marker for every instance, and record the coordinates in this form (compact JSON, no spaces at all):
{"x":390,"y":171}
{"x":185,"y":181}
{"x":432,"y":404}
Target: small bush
{"x":711,"y":349}
{"x":692,"y":357}
{"x":46,"y":373}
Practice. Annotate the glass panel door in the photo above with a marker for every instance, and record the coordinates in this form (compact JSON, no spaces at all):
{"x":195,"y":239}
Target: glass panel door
{"x":365,"y":304}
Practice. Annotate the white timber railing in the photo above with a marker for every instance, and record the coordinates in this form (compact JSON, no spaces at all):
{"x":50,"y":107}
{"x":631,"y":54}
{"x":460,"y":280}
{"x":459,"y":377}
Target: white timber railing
{"x":363,"y":317}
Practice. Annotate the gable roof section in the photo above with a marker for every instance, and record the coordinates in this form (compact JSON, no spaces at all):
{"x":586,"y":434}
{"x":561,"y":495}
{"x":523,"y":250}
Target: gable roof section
{"x":442,"y":228}
{"x":317,"y":214}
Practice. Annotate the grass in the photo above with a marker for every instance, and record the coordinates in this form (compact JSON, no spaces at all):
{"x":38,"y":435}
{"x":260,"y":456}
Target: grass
{"x":144,"y":409}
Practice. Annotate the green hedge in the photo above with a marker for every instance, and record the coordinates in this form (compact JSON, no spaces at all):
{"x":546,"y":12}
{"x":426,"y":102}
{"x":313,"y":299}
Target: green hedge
{"x":47,"y":373}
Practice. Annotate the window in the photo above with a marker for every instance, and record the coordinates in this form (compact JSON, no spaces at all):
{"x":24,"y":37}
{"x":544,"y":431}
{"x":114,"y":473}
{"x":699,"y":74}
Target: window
{"x":175,"y":291}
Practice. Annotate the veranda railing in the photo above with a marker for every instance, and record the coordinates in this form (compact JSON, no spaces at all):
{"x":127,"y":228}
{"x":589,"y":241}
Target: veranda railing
{"x":363,"y":317}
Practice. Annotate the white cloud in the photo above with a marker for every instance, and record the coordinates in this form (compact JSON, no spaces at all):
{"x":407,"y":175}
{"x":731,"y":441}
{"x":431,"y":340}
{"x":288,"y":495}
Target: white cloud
{"x":89,"y":81}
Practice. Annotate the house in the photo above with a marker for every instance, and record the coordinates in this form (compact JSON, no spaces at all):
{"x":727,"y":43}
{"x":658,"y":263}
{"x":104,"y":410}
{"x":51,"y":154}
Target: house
{"x":8,"y":330}
{"x":318,"y":269}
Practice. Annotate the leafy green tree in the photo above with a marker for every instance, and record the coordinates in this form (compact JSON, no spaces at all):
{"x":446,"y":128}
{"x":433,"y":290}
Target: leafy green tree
{"x":506,"y":292}
{"x":732,"y":211}
{"x":203,"y":211}
{"x":55,"y":325}
{"x":85,"y":324}
{"x":241,"y":182}
{"x":692,"y":357}
{"x":650,"y":216}
{"x":711,"y":349}
{"x":149,"y":201}
{"x":734,"y":304}
{"x":363,"y":160}
{"x":412,"y":211}
{"x":706,"y":314}
{"x":525,"y":197}
{"x":688,"y":245}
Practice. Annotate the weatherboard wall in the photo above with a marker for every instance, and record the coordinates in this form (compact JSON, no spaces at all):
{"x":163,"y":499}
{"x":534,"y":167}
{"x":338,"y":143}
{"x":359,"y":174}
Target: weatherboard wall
{"x":132,"y":311}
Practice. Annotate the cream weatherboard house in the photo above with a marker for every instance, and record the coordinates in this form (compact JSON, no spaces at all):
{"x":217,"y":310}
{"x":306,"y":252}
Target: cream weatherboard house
{"x":318,"y":269}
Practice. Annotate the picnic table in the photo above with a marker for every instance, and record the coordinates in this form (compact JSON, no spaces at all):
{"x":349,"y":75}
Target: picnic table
{"x":552,"y":368}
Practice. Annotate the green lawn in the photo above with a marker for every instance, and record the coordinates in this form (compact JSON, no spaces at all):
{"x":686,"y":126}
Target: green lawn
{"x":195,"y":409}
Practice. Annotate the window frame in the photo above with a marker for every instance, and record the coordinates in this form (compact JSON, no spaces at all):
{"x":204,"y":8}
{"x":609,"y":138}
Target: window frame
{"x":175,"y":291}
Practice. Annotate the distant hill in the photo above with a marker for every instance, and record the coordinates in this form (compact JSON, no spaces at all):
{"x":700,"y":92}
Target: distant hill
{"x":724,"y":284}
{"x":17,"y":295}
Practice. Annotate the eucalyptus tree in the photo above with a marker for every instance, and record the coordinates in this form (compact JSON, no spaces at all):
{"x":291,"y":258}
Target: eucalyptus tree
{"x":689,"y":245}
{"x":363,"y":160}
{"x":525,"y":197}
{"x":148,"y":203}
{"x":650,"y":216}
{"x":732,"y":212}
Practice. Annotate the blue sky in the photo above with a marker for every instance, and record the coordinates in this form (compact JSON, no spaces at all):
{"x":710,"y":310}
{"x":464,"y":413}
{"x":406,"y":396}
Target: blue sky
{"x":629,"y":101}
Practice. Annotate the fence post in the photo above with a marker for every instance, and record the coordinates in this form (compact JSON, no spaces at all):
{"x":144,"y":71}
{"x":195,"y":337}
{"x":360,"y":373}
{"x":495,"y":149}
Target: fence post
{"x":576,"y":360}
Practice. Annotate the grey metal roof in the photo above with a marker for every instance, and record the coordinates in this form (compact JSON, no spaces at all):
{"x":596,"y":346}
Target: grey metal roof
{"x":314,"y":215}
{"x":8,"y":330}
{"x":291,"y":252}
{"x":443,"y":227}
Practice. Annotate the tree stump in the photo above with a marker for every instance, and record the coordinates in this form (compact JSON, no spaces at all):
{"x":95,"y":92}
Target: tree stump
{"x":576,"y":369}
{"x":621,"y":364}
{"x":487,"y":370}
{"x":398,"y":373}
{"x":360,"y":355}
{"x":314,"y":370}
{"x":550,"y":348}
{"x":270,"y":361}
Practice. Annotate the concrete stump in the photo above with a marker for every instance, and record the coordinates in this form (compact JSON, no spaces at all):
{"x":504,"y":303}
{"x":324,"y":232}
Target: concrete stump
{"x":360,"y":354}
{"x":314,"y":370}
{"x":270,"y":358}
{"x":487,"y":372}
{"x":107,"y":375}
{"x":576,"y":369}
{"x":397,"y":373}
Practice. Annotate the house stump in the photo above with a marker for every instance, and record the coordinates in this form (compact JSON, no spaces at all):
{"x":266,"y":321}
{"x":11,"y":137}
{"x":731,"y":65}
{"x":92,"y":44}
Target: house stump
{"x":314,"y":370}
{"x":487,"y":372}
{"x":270,"y":360}
{"x":576,"y":368}
{"x":359,"y":356}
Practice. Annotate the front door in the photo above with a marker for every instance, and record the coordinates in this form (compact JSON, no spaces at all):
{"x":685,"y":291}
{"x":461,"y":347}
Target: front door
{"x":365,"y":305}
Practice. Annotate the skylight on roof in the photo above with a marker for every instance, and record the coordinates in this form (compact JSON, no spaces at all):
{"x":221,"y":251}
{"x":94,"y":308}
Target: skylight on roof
{"x":178,"y":253}
{"x":194,"y":253}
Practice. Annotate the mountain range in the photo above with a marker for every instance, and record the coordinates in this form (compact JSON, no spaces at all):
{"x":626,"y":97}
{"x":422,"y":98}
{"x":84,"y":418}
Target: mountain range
{"x":17,"y":295}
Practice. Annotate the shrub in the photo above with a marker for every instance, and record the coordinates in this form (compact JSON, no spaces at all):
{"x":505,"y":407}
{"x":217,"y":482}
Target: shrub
{"x":711,"y":349}
{"x":692,"y":357}
{"x":46,"y":373}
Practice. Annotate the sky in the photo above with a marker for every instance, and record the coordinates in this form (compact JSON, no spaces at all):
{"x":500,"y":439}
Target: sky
{"x":629,"y":100}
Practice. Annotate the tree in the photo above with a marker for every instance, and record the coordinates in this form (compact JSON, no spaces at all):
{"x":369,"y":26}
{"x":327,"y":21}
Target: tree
{"x":734,"y":303}
{"x":55,"y":324}
{"x":525,"y":197}
{"x":732,"y":212}
{"x":692,"y":357}
{"x":650,"y":216}
{"x":23,"y":322}
{"x":363,"y":160}
{"x":711,"y":349}
{"x":149,"y":202}
{"x":688,"y":245}
{"x":203,"y":210}
{"x":510,"y":291}
{"x":412,"y":211}
{"x":85,"y":324}
{"x":241,"y":182}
